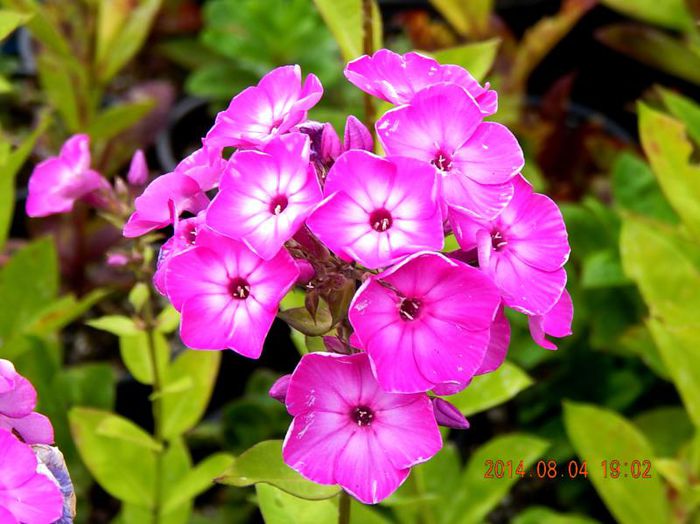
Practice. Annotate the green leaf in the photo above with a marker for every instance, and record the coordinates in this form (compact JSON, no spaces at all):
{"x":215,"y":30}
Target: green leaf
{"x":65,"y":310}
{"x":88,"y":385}
{"x":127,"y":40}
{"x":116,"y":119}
{"x":9,"y":168}
{"x":678,"y":345}
{"x":197,"y":480}
{"x":123,"y":467}
{"x":300,"y":319}
{"x":122,"y":429}
{"x":542,"y":515}
{"x":263,"y":464}
{"x":11,"y":20}
{"x":136,"y":354}
{"x":603,"y":269}
{"x":183,"y":409}
{"x":474,"y":497}
{"x":279,"y":507}
{"x":658,"y":260}
{"x":667,"y":429}
{"x":492,"y":389}
{"x":635,"y":189}
{"x":28,"y":282}
{"x":684,"y":109}
{"x":654,"y":48}
{"x":671,"y":14}
{"x":598,"y":434}
{"x":58,"y":86}
{"x":668,"y":149}
{"x":344,"y":19}
{"x":477,"y":58}
{"x":468,"y":17}
{"x":116,"y":324}
{"x":168,"y":320}
{"x":42,"y":27}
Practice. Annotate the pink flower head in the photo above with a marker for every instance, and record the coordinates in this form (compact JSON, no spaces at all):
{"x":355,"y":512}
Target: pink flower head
{"x":556,"y":322}
{"x":163,"y":200}
{"x":443,"y":126}
{"x":138,"y":169}
{"x":184,"y":237}
{"x":26,"y":496}
{"x":378,"y":210}
{"x":205,"y":166}
{"x":397,"y":78}
{"x":523,"y":250}
{"x":425,"y":322}
{"x":266,"y":195}
{"x":348,"y":431}
{"x":274,"y":106}
{"x":17,"y":403}
{"x":227,"y":295}
{"x":57,"y":182}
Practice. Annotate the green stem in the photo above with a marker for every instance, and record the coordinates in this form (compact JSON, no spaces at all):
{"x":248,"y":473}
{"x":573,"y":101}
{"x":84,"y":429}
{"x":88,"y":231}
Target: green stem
{"x":344,"y":508}
{"x":149,"y":321}
{"x":425,"y":511}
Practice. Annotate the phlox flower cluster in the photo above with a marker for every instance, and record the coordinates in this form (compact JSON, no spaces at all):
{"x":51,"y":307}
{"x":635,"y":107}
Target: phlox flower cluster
{"x":34,"y":485}
{"x":273,"y":200}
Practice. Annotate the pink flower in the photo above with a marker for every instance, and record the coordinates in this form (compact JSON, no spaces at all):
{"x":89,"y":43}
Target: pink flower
{"x":205,"y":166}
{"x":227,"y":295}
{"x":138,"y":169}
{"x":57,"y":182}
{"x":555,"y":322}
{"x":397,"y":78}
{"x":378,"y":210}
{"x":348,"y":431}
{"x":17,"y":403}
{"x":184,"y":237}
{"x":523,"y":250}
{"x":274,"y":106}
{"x":443,"y":126}
{"x":266,"y":195}
{"x":164,"y":199}
{"x":425,"y":322}
{"x":26,"y":496}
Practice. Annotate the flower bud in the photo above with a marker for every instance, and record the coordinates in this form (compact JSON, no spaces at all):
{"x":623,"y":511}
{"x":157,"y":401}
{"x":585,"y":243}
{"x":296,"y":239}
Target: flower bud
{"x":357,"y":136}
{"x":278,"y":391}
{"x":138,"y":170}
{"x":447,"y":415}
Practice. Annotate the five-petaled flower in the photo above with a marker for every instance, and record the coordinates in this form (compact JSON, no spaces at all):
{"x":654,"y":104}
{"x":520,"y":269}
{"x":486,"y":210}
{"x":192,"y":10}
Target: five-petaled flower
{"x":347,"y":430}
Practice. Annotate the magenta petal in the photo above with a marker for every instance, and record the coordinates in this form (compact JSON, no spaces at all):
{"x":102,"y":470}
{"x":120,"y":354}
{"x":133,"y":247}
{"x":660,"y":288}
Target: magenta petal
{"x":279,"y":389}
{"x":76,"y":153}
{"x":185,"y":276}
{"x":35,"y":428}
{"x":492,"y":155}
{"x":204,"y":166}
{"x":556,"y":322}
{"x":439,"y":118}
{"x":357,"y":136}
{"x":153,"y":208}
{"x":314,"y":442}
{"x":448,"y":415}
{"x":498,"y":344}
{"x":414,"y":426}
{"x":6,"y":517}
{"x":479,"y":200}
{"x":17,"y":462}
{"x":19,"y":396}
{"x":525,"y":288}
{"x":320,"y":384}
{"x":364,"y":470}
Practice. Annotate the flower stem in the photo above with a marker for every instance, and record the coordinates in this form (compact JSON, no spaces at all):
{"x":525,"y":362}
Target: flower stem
{"x":344,"y":508}
{"x":425,"y":511}
{"x":149,"y":321}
